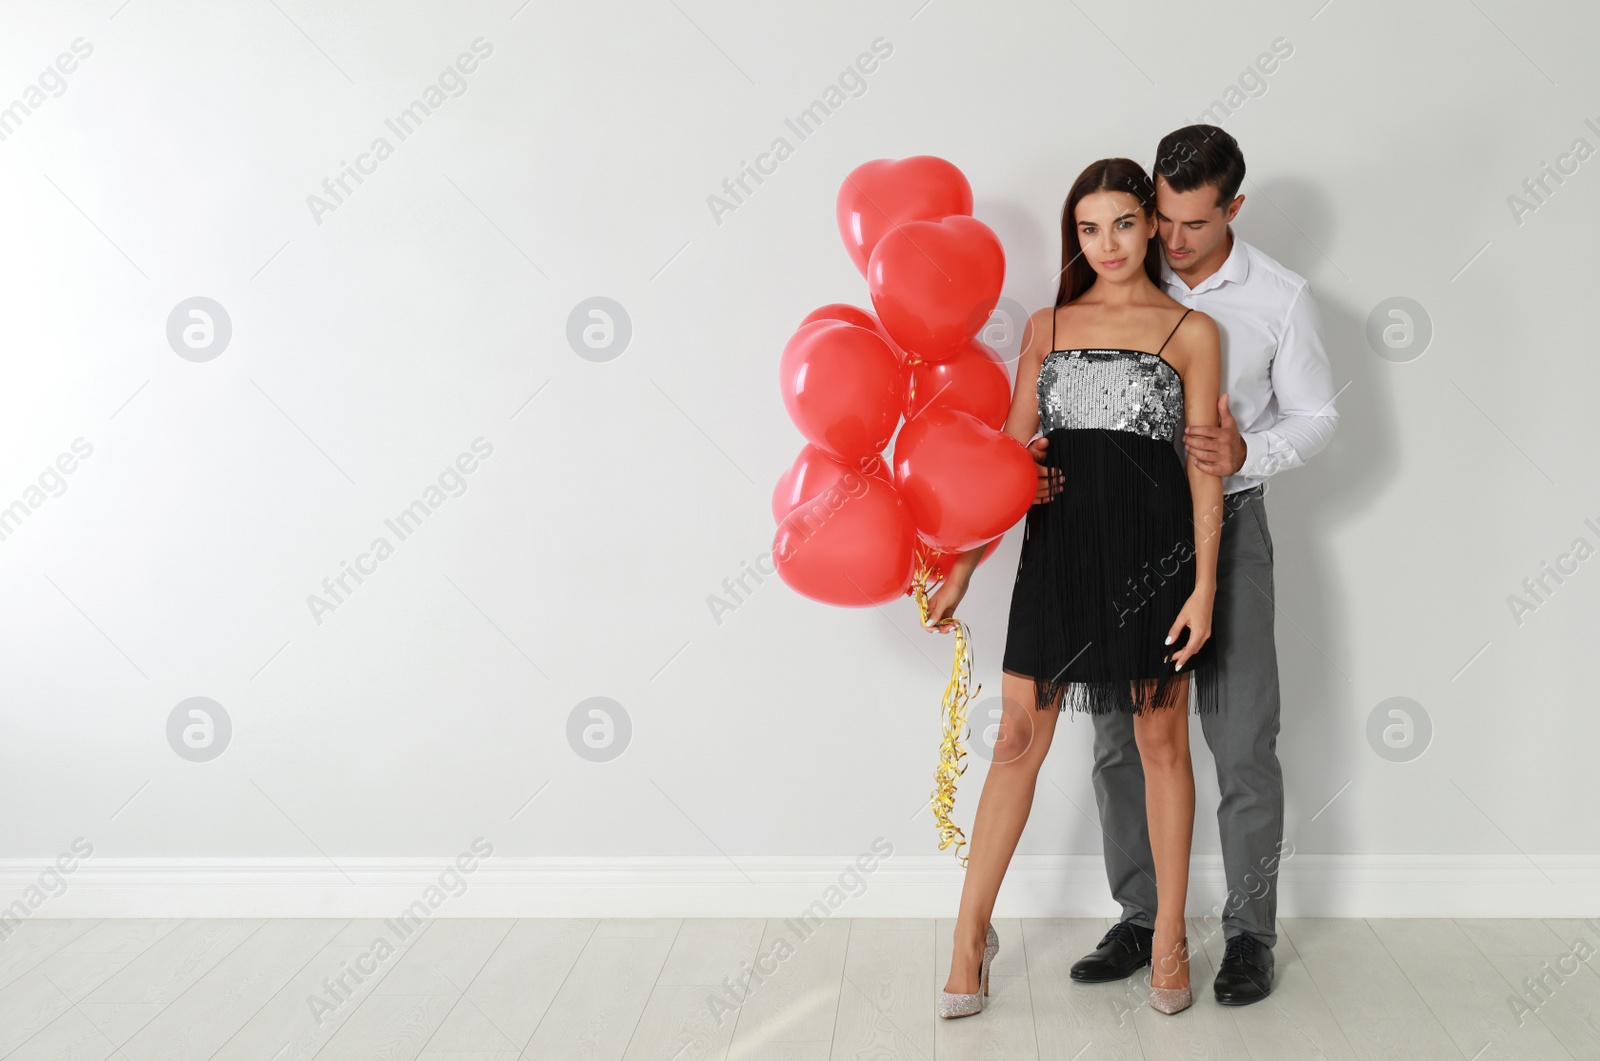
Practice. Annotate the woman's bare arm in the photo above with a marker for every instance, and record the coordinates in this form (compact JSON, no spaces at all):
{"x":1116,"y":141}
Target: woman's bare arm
{"x":1201,"y":371}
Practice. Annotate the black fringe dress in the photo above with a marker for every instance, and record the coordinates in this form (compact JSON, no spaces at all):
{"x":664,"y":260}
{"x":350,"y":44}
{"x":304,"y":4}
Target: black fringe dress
{"x":1108,"y":563}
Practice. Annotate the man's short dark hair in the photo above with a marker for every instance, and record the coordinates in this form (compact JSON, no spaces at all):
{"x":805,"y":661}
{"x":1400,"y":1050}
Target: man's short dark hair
{"x":1198,"y":155}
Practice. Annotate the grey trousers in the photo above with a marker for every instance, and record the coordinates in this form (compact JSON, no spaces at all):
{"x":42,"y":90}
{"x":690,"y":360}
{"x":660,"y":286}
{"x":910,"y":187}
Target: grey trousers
{"x":1242,"y":735}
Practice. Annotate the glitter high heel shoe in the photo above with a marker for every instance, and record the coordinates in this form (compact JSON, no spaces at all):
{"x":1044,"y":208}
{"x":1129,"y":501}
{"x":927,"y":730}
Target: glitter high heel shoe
{"x":957,"y":1005}
{"x":1171,"y":1000}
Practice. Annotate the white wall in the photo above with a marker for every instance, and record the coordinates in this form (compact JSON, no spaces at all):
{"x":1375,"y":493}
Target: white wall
{"x":371,"y":345}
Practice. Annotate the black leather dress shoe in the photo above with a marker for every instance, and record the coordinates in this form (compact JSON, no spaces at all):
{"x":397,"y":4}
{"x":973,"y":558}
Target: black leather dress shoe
{"x":1124,"y":948}
{"x":1245,"y":975}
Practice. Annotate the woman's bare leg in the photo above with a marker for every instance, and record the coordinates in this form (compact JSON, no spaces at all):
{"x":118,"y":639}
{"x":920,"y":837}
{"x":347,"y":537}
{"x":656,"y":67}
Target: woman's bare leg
{"x":1003,"y":807}
{"x":1162,"y":736}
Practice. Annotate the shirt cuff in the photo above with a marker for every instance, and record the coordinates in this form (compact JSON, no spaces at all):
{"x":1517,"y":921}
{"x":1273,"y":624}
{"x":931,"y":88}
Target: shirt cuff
{"x":1255,"y":455}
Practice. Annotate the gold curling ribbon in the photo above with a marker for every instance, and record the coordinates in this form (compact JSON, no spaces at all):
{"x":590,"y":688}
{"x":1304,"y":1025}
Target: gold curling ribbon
{"x":958,"y":694}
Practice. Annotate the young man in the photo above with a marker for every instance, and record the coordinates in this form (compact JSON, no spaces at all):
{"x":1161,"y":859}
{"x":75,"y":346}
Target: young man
{"x":1276,"y":412}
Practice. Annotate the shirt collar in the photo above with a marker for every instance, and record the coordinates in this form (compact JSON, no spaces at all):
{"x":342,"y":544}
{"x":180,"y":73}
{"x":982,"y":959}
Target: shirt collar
{"x":1234,"y":269}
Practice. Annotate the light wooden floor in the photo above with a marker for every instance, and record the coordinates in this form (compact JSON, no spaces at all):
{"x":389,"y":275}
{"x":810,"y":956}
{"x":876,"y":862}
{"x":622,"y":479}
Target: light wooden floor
{"x":502,"y":990}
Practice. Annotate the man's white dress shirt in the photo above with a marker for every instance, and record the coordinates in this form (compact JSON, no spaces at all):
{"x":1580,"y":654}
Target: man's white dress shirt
{"x":1274,"y":369}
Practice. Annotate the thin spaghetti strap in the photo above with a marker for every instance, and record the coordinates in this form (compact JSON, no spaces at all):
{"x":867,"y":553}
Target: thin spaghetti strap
{"x":1053,"y":309}
{"x":1174,"y":330}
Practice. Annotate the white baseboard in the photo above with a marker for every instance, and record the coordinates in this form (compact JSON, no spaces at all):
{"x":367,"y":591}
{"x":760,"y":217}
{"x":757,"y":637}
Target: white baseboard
{"x":772,"y":886}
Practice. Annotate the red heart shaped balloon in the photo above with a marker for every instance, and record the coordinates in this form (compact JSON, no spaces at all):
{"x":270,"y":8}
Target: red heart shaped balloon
{"x":813,"y":471}
{"x":964,"y":482}
{"x":851,"y":545}
{"x":886,"y":192}
{"x":844,"y":388}
{"x":843,"y":311}
{"x":973,"y":380}
{"x":935,"y":283}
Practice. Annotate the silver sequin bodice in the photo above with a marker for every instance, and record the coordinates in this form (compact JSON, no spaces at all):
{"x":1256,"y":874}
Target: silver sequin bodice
{"x":1120,"y":390}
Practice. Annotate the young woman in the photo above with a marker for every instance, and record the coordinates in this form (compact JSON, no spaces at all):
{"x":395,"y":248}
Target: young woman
{"x":1111,"y":610}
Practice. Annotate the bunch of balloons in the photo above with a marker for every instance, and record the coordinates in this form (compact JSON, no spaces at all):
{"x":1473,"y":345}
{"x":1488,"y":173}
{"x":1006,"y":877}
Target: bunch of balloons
{"x":853,"y":530}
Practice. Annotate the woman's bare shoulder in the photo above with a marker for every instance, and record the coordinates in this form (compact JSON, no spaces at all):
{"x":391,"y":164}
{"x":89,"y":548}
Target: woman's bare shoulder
{"x":1197,"y":336}
{"x":1041,"y":329}
{"x":1198,"y":322}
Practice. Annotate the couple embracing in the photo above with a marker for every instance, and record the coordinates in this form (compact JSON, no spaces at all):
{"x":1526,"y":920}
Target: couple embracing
{"x":1179,"y":368}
